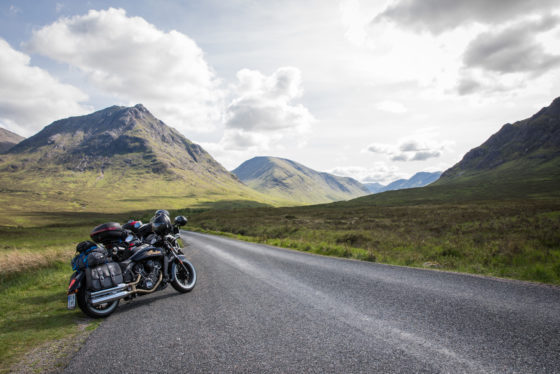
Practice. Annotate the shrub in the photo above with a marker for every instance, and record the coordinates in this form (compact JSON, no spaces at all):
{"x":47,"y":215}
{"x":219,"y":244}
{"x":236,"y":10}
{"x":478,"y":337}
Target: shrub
{"x":353,"y":239}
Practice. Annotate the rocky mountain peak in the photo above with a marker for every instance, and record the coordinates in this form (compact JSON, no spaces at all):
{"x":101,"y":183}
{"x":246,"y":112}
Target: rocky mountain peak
{"x":535,"y":140}
{"x":8,"y":139}
{"x":131,"y":137}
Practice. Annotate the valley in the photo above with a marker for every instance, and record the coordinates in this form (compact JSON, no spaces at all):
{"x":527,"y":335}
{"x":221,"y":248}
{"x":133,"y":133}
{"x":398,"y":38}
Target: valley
{"x":495,"y":213}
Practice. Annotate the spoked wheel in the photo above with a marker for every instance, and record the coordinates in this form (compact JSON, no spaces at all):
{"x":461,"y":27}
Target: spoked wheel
{"x":99,"y":311}
{"x":183,"y":279}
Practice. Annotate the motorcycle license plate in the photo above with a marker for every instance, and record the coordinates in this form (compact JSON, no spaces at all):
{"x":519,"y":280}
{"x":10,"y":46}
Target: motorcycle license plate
{"x":72,"y":301}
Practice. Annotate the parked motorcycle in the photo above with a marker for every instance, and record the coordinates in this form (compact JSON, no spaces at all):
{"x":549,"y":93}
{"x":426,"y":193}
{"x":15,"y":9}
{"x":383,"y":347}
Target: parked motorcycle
{"x":120,"y":264}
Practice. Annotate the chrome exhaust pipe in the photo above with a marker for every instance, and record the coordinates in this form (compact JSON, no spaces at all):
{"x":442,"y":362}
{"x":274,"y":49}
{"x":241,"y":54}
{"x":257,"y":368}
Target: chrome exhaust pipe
{"x":112,"y":294}
{"x":120,"y":287}
{"x":109,"y":298}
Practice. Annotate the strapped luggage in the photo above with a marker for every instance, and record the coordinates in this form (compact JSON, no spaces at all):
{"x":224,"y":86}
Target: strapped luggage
{"x":90,"y":254}
{"x":104,"y":276}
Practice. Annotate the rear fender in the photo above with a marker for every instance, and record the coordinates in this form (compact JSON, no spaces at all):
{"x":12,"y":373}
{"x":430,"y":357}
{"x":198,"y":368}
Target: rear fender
{"x":75,"y":282}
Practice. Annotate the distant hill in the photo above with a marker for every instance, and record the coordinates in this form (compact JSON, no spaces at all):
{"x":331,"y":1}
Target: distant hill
{"x":8,"y":139}
{"x":113,"y":159}
{"x":420,"y":179}
{"x":521,"y":160}
{"x":290,"y":180}
{"x":374,"y":187}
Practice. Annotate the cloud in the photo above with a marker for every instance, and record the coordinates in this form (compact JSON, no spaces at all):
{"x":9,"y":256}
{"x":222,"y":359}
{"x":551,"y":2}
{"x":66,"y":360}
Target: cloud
{"x":241,"y":140}
{"x":425,"y":155}
{"x":262,"y":116}
{"x":380,"y":148}
{"x":14,"y":10}
{"x":262,"y":109}
{"x":468,"y":85}
{"x":133,"y":60}
{"x":410,"y":149}
{"x":378,"y":173}
{"x":264,"y":103}
{"x":437,"y":16}
{"x":391,"y":107}
{"x":514,"y":49}
{"x":30,"y":97}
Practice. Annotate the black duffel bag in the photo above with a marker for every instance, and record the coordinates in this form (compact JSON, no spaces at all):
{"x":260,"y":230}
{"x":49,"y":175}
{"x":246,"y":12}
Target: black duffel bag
{"x":104,"y":276}
{"x":89,"y":255}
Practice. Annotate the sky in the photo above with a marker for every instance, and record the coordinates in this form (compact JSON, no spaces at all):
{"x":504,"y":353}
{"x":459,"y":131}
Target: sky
{"x":375,"y":90}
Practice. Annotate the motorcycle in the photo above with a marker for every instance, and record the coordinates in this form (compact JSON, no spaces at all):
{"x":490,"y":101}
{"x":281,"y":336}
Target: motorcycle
{"x":119,"y":265}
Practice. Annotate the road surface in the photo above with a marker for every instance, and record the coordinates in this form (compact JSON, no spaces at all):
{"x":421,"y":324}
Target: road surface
{"x":259,"y":309}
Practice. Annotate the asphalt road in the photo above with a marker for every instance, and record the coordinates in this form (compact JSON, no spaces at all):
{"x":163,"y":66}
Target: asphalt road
{"x":259,"y":309}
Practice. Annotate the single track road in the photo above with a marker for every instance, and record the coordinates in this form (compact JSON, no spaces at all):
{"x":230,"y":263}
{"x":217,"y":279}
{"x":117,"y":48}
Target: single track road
{"x":261,"y":309}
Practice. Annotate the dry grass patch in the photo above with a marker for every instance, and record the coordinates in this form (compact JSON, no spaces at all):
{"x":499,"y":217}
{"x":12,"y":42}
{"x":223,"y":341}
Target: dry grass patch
{"x":19,"y":260}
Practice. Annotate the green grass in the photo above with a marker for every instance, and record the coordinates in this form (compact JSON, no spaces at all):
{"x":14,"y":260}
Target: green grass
{"x":517,"y":239}
{"x":33,"y":311}
{"x":34,"y":274}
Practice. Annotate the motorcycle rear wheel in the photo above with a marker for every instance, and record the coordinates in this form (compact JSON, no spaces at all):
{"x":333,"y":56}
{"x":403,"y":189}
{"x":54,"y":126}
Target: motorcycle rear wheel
{"x":183,"y":280}
{"x":99,"y":311}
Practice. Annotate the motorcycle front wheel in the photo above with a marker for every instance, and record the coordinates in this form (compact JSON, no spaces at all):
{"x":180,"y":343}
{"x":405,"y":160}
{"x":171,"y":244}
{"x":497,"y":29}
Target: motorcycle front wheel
{"x":99,"y":311}
{"x":183,"y":279}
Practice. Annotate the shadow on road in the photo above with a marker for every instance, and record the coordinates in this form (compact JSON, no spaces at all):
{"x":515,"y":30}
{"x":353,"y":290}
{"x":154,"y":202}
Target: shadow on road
{"x":145,"y":300}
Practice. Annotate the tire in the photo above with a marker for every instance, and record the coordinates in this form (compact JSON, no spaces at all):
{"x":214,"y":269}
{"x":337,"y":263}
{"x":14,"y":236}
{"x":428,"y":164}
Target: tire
{"x":183,"y":281}
{"x":99,"y":311}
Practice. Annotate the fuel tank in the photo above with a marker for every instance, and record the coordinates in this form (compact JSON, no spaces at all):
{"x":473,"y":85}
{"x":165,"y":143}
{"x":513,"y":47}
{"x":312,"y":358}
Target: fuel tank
{"x":145,"y":252}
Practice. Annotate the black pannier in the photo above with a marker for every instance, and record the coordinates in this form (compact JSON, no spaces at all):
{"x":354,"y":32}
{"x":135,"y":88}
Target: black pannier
{"x":107,"y":233}
{"x":104,"y":276}
{"x":89,"y":257}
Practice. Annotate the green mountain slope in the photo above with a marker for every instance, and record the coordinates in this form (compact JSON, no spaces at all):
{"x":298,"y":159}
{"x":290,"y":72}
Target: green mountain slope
{"x":534,"y":141}
{"x":522,"y":160}
{"x":113,"y":160}
{"x":8,"y":139}
{"x":290,"y":180}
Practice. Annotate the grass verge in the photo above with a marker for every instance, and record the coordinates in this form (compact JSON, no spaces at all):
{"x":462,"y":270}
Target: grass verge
{"x":37,"y":332}
{"x":513,"y":239}
{"x":33,"y":312}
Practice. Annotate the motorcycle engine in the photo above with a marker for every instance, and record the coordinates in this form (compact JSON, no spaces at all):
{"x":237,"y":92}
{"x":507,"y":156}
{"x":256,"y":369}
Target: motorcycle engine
{"x":150,"y":271}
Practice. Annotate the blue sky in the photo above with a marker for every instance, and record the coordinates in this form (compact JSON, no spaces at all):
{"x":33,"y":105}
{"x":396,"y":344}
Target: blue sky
{"x":375,"y":90}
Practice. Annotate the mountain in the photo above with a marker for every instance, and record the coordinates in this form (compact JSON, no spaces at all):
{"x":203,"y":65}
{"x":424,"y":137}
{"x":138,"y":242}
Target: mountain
{"x":116,"y":158}
{"x":374,"y":187}
{"x":420,"y":179}
{"x":290,"y":180}
{"x":118,"y":138}
{"x":534,"y":141}
{"x":8,"y":139}
{"x":520,"y":161}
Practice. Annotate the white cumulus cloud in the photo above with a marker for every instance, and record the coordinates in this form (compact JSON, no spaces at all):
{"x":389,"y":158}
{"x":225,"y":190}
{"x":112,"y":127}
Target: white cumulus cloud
{"x":263,"y":109}
{"x":411,"y":149}
{"x":379,"y":172}
{"x":263,"y":116}
{"x":30,"y":97}
{"x":265,"y":103}
{"x":133,"y":60}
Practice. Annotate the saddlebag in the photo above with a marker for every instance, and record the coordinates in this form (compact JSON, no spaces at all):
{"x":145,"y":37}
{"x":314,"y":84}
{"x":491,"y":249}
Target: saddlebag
{"x":104,"y":276}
